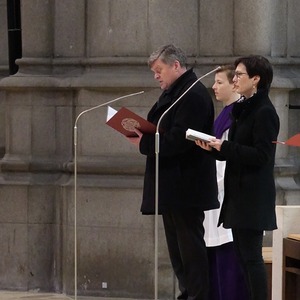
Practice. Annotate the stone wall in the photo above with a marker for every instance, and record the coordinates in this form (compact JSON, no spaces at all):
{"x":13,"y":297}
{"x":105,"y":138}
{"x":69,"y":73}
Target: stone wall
{"x":79,"y":54}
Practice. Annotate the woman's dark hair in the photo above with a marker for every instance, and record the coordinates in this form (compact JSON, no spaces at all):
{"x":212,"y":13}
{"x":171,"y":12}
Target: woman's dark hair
{"x":257,"y":65}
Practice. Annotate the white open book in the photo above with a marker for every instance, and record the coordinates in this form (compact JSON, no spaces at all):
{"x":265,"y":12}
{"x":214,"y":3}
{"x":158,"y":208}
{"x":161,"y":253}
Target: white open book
{"x":197,"y":135}
{"x":110,"y":113}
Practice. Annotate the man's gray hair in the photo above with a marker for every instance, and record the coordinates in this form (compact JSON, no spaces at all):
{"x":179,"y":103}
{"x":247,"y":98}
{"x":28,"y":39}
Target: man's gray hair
{"x":168,"y":54}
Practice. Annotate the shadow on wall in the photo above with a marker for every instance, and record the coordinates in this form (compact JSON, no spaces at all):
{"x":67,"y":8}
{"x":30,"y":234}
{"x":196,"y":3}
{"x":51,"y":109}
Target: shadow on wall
{"x":2,"y":152}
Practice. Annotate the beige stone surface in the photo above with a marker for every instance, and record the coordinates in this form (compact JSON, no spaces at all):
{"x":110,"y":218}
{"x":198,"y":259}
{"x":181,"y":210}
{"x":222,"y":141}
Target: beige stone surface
{"x":10,"y":295}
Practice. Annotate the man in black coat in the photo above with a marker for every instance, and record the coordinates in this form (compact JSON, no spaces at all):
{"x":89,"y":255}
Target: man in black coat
{"x":187,"y":175}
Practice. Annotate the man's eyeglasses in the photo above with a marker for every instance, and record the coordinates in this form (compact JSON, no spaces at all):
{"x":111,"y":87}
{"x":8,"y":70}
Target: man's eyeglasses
{"x":239,"y":74}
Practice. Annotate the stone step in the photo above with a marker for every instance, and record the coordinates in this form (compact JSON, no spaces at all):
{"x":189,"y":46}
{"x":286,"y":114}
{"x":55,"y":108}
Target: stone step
{"x":10,"y":295}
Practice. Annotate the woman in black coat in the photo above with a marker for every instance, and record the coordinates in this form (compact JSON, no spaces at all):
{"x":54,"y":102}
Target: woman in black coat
{"x":249,"y":200}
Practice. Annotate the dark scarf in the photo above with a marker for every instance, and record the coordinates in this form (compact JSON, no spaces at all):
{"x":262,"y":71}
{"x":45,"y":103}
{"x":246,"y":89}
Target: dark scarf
{"x":242,"y":104}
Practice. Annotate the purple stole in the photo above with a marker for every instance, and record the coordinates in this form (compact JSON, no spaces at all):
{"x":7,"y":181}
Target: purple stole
{"x":223,"y":121}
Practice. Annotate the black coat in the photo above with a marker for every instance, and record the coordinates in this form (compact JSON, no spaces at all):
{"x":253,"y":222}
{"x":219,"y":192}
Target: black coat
{"x":250,"y":195}
{"x":187,"y":175}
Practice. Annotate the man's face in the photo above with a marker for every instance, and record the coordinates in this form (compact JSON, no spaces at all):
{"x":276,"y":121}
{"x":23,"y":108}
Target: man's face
{"x":165,"y":74}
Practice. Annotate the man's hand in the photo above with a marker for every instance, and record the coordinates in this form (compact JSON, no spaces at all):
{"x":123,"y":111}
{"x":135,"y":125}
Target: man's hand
{"x":136,"y":140}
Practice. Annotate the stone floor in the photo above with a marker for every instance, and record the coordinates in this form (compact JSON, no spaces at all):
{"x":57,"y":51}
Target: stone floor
{"x":8,"y":295}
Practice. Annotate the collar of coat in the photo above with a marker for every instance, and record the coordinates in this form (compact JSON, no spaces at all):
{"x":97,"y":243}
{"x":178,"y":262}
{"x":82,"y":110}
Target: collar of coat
{"x":177,"y":88}
{"x":249,"y":103}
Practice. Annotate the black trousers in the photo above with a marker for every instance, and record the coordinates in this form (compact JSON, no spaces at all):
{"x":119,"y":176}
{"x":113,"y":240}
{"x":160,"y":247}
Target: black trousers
{"x":184,"y":234}
{"x":248,"y":245}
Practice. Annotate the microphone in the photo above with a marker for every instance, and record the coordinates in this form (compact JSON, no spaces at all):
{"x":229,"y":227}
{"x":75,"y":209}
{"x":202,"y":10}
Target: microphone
{"x":156,"y":181}
{"x":75,"y":179}
{"x":106,"y":103}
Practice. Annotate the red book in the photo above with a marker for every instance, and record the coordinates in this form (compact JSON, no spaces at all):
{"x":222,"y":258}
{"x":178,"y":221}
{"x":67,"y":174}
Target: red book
{"x":125,"y":121}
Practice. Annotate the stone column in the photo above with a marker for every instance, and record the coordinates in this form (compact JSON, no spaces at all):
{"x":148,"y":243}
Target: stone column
{"x":38,"y":141}
{"x":252,"y":27}
{"x":4,"y":69}
{"x":37,"y":28}
{"x":279,"y":28}
{"x":293,"y":32}
{"x":3,"y":34}
{"x":216,"y":24}
{"x":112,"y":30}
{"x":69,"y":28}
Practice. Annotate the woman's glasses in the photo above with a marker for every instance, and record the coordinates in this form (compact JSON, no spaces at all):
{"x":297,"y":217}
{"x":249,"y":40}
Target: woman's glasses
{"x":239,"y":74}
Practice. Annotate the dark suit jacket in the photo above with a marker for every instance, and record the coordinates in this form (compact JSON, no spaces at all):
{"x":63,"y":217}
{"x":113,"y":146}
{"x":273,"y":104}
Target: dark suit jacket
{"x":187,"y":175}
{"x":249,"y":200}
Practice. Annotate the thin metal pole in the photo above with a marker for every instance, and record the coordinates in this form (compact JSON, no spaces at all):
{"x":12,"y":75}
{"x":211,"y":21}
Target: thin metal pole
{"x":75,"y":180}
{"x":75,"y":210}
{"x":156,"y":216}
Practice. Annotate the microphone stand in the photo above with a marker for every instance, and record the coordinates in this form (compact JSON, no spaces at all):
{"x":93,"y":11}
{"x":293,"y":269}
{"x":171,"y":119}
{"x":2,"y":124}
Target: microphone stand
{"x":156,"y":183}
{"x":75,"y":180}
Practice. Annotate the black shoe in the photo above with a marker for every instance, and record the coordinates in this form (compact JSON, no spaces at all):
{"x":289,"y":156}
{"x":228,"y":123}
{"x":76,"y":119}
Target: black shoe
{"x":183,"y":296}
